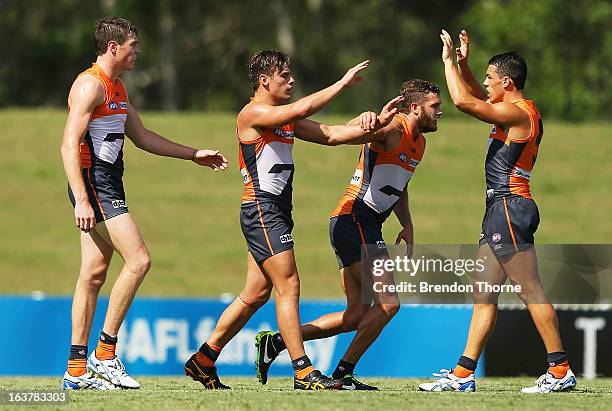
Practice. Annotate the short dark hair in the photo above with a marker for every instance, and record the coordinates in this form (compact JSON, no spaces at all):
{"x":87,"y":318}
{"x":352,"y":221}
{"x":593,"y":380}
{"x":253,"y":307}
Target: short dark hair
{"x":511,"y":65}
{"x":266,"y":62}
{"x":112,"y":29}
{"x":415,"y":90}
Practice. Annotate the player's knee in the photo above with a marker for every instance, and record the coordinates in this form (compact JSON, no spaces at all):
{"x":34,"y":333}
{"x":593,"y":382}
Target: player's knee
{"x":255,"y":299}
{"x":93,"y":276}
{"x":390,"y":309}
{"x":141,"y":264}
{"x":289,"y":287}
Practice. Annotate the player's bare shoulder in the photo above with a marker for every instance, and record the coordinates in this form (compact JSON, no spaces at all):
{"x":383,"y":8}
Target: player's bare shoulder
{"x":392,"y":136}
{"x":87,"y":90}
{"x":245,"y":125}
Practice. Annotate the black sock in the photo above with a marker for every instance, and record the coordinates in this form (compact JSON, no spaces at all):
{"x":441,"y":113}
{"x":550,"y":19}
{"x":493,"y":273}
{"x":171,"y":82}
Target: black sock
{"x":78,"y":352}
{"x":343,"y":368}
{"x":278,"y":343}
{"x":209,"y":352}
{"x":301,"y":363}
{"x":105,"y":338}
{"x":556,"y":358}
{"x":467,"y":363}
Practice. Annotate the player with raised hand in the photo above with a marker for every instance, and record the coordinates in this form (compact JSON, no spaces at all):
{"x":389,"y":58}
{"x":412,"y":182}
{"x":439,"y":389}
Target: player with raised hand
{"x":511,"y":216}
{"x":266,"y":128}
{"x":377,"y":188}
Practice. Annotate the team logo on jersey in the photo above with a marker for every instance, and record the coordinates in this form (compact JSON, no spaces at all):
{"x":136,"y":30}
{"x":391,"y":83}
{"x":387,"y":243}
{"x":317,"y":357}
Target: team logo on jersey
{"x":356,"y":179}
{"x":283,"y":133}
{"x":381,"y":244}
{"x":286,"y":238}
{"x":403,"y":157}
{"x":519,"y":172}
{"x":490,"y":192}
{"x":494,"y":129}
{"x":245,"y":175}
{"x":496,"y":237}
{"x":118,"y":203}
{"x":112,"y":105}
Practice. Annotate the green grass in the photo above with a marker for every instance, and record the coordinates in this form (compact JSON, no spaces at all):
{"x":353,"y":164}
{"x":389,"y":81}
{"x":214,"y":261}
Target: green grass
{"x":174,"y":393}
{"x":189,"y":215}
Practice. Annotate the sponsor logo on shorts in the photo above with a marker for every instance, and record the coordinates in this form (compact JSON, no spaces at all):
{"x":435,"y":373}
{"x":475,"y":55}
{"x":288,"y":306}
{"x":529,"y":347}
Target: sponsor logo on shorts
{"x":496,"y":237}
{"x":497,"y":246}
{"x":414,"y":163}
{"x":286,"y":238}
{"x":481,"y":236}
{"x":356,"y":179}
{"x":245,"y":176}
{"x":118,"y":203}
{"x":381,"y":244}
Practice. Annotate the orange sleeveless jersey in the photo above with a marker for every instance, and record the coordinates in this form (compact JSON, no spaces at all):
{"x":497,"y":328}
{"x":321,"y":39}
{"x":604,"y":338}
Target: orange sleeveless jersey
{"x":509,"y":163}
{"x":267,"y":167}
{"x":103,"y":145}
{"x":380,"y":177}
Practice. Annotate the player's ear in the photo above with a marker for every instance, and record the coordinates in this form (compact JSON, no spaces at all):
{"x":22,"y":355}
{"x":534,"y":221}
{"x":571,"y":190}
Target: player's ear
{"x":264,"y":80}
{"x":506,"y":82}
{"x":112,"y":47}
{"x":415,"y":109}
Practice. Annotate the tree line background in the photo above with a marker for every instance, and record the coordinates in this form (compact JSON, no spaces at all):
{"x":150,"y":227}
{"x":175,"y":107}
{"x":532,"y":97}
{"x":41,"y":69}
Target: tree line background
{"x":194,"y":53}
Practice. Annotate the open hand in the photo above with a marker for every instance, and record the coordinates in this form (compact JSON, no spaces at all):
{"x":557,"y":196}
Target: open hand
{"x":210,"y":158}
{"x":464,"y":49}
{"x":447,"y":47}
{"x":352,"y":76}
{"x":389,"y":110}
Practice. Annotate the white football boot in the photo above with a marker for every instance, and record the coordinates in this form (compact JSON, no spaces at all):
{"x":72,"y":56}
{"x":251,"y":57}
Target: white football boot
{"x":447,"y":381}
{"x":112,"y":371}
{"x":548,"y":383}
{"x":87,"y":381}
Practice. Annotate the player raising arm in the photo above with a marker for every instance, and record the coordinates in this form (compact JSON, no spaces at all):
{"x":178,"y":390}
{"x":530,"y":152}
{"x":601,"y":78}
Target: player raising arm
{"x":511,"y":216}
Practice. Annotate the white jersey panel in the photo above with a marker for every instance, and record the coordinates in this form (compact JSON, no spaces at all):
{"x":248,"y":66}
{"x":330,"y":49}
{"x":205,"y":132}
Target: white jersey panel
{"x":100,"y":128}
{"x":386,"y":184}
{"x":275,"y":167}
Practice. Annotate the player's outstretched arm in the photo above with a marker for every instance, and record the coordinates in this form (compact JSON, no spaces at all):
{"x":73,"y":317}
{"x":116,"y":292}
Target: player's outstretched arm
{"x":499,"y":113}
{"x":266,"y":116}
{"x":463,"y":52}
{"x":402,"y":212}
{"x":359,"y":133}
{"x":152,"y":142}
{"x":86,"y":93}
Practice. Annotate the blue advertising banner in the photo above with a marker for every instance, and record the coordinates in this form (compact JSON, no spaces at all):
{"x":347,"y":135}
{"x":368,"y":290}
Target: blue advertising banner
{"x":159,"y":335}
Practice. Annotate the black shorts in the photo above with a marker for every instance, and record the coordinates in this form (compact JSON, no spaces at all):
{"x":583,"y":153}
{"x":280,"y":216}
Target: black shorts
{"x":348,"y":234}
{"x":105,"y":193}
{"x":509,"y":224}
{"x":267,"y":229}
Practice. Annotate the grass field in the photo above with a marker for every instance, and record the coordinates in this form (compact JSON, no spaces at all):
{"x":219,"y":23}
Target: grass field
{"x":179,"y":393}
{"x":189,"y":216}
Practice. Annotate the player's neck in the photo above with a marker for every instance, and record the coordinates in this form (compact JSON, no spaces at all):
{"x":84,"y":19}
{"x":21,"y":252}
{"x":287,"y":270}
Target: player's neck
{"x":264,"y":96}
{"x":110,"y":69}
{"x":411,"y":123}
{"x":512,"y":96}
